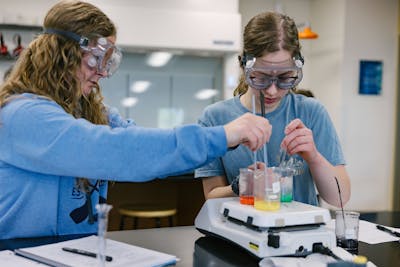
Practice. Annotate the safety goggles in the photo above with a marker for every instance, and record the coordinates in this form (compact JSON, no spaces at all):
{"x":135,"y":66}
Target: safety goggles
{"x":285,"y":75}
{"x":104,"y":55}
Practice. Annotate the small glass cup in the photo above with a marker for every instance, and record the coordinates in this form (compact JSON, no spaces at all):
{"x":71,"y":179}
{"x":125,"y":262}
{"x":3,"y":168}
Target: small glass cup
{"x":246,"y":196}
{"x":286,"y":184}
{"x":266,"y":189}
{"x":346,"y":230}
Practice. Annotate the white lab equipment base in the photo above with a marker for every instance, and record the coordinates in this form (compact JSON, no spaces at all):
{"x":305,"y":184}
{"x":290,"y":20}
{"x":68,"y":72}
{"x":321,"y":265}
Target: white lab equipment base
{"x":292,"y":230}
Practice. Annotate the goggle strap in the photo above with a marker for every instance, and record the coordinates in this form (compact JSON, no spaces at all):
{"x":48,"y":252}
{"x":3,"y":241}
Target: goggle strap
{"x":81,"y":40}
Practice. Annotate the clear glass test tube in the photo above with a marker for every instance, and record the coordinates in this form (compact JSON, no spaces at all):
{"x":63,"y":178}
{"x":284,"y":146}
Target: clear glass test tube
{"x":102,"y":213}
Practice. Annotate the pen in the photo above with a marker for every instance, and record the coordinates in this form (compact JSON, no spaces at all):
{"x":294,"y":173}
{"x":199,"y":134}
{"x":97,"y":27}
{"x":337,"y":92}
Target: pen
{"x":37,"y":258}
{"x":84,"y":252}
{"x":387,"y":230}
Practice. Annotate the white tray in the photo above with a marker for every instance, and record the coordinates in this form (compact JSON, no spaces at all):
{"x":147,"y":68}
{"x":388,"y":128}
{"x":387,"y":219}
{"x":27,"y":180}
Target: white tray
{"x":290,"y":214}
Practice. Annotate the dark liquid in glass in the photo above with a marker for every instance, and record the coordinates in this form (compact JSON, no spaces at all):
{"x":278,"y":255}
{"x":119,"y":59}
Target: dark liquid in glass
{"x":351,"y":245}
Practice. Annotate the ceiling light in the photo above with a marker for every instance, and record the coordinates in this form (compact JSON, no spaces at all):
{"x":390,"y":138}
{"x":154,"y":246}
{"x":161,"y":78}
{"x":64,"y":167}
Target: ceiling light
{"x":204,"y":94}
{"x":140,"y":86}
{"x":129,"y":102}
{"x":158,"y":59}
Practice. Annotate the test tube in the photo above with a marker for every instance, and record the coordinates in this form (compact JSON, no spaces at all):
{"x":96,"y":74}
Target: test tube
{"x":102,"y":213}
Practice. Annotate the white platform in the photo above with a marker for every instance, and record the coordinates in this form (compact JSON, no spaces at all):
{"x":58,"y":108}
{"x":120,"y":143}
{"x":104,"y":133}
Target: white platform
{"x":266,"y":233}
{"x":290,"y":214}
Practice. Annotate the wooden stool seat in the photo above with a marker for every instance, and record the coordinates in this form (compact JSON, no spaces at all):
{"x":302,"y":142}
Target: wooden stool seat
{"x":146,"y":210}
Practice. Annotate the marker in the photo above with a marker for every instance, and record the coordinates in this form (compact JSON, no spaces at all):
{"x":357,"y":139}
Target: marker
{"x":84,"y":252}
{"x":387,"y":230}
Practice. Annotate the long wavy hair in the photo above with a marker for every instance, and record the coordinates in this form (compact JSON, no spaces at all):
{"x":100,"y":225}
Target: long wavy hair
{"x":267,"y":32}
{"x":49,"y":65}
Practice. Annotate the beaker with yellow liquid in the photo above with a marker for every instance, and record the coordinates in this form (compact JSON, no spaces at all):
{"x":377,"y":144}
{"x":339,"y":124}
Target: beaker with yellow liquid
{"x":267,"y":192}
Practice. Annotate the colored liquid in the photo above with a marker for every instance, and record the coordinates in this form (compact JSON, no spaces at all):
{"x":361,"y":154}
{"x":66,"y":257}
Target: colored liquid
{"x":286,"y":198}
{"x":246,"y":200}
{"x":286,"y":189}
{"x":351,"y":245}
{"x":264,"y":205}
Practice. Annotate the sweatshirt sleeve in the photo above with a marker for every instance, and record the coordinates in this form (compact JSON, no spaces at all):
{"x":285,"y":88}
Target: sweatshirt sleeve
{"x":39,"y":136}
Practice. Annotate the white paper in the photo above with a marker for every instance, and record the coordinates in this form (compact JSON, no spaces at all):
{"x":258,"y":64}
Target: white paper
{"x":122,"y":254}
{"x":368,"y":233}
{"x":9,"y":259}
{"x":312,"y":260}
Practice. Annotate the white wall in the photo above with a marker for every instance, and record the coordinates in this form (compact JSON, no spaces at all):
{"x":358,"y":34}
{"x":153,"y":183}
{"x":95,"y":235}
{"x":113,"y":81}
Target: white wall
{"x":205,"y":28}
{"x":326,"y":56}
{"x":350,"y":31}
{"x":369,"y":121}
{"x":34,"y":11}
{"x":164,"y":24}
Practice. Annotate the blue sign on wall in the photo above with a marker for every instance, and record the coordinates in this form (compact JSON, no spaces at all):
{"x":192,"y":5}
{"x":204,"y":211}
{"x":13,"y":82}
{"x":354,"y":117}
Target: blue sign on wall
{"x":370,"y":77}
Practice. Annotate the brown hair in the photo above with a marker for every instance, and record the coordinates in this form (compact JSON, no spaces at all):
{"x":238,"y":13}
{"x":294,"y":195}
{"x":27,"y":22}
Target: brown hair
{"x":266,"y":33}
{"x":49,"y":65}
{"x":305,"y":92}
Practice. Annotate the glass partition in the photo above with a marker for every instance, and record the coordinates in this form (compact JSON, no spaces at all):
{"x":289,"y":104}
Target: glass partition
{"x":165,"y":96}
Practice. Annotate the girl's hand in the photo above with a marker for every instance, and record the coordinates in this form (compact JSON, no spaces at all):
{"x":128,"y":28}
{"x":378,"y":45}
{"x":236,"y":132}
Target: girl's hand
{"x":299,"y":140}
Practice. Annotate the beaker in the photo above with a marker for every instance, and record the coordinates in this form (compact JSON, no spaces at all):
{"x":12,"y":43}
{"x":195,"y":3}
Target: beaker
{"x":286,"y":180}
{"x":246,"y":186}
{"x":266,"y":189}
{"x":346,"y":230}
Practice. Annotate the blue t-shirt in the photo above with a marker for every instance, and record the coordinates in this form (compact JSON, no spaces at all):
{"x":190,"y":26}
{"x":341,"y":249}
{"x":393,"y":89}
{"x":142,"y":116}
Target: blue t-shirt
{"x":43,"y":149}
{"x":292,"y":106}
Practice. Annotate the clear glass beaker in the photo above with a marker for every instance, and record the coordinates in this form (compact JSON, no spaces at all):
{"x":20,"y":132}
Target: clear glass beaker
{"x":347,"y":230}
{"x":266,"y":189}
{"x":246,"y":186}
{"x":286,"y":180}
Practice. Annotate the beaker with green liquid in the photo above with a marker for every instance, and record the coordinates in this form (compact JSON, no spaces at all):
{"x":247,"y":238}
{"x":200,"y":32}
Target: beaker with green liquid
{"x":286,"y":181}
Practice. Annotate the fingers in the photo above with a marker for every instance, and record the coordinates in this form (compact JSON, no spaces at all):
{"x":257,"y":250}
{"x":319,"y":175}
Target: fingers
{"x":258,"y":133}
{"x":260,"y":166}
{"x":256,"y":136}
{"x":299,"y":143}
{"x":293,"y":125}
{"x":250,"y":130}
{"x":299,"y":140}
{"x":293,"y":130}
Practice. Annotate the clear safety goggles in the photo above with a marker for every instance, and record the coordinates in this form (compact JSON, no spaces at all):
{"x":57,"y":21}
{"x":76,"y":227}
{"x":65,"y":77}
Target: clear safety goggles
{"x":285,"y":75}
{"x":104,"y":55}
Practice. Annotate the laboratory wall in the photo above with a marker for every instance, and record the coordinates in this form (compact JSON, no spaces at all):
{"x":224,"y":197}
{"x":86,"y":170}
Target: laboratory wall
{"x":354,"y":31}
{"x":368,"y":122}
{"x":349,"y":31}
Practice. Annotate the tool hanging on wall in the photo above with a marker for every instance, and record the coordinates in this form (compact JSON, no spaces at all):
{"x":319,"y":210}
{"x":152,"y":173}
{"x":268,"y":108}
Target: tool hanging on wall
{"x":18,"y":49}
{"x":3,"y":47}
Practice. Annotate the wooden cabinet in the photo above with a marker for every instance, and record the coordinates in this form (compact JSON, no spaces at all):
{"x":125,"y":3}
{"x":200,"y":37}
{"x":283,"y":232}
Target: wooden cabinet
{"x":183,"y":192}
